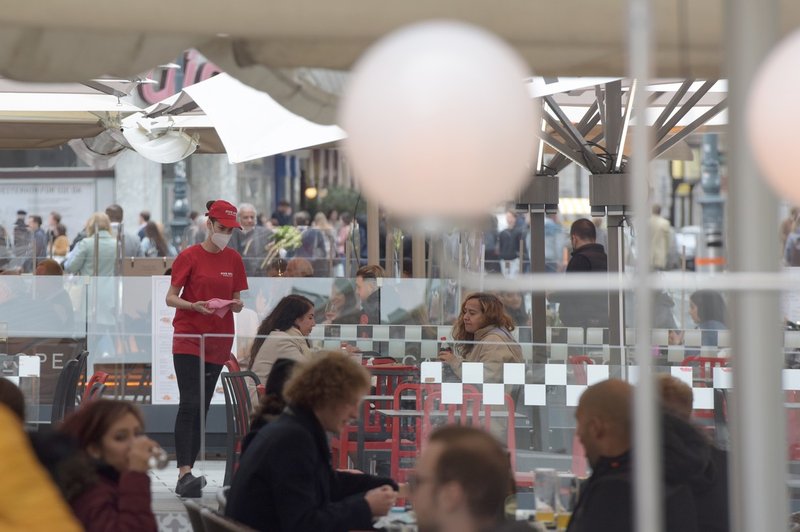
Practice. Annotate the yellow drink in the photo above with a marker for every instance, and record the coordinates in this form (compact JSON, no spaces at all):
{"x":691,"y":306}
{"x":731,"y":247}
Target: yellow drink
{"x":545,"y":516}
{"x":562,"y":520}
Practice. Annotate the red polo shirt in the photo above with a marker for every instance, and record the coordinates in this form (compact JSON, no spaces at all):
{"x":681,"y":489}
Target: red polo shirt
{"x":204,"y":275}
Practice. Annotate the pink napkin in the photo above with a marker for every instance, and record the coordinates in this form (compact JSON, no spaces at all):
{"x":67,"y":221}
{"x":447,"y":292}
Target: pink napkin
{"x":219,"y":306}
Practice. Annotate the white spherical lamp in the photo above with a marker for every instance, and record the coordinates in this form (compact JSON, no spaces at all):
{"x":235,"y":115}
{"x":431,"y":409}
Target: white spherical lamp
{"x":439,"y":122}
{"x":772,"y":115}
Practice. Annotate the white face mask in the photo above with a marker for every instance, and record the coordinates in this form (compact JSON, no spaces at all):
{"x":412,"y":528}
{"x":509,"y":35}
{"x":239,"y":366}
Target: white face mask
{"x":220,"y":240}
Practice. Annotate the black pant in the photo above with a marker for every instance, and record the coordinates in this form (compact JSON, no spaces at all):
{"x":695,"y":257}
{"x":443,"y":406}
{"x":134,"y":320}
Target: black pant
{"x":187,"y":422}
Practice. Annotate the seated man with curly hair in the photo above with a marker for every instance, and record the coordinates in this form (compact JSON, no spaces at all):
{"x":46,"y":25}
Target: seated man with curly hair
{"x":286,"y":482}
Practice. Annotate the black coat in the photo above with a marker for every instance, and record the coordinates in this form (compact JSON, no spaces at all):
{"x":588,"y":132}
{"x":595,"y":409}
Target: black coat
{"x":584,"y":309}
{"x":605,"y":503}
{"x":285,"y":482}
{"x":695,"y":485}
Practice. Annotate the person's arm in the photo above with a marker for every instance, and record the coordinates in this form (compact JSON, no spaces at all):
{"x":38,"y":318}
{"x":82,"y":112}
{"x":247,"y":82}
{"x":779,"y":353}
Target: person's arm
{"x":75,"y":258}
{"x":237,"y":304}
{"x":295,"y":492}
{"x":175,"y":301}
{"x":346,"y":484}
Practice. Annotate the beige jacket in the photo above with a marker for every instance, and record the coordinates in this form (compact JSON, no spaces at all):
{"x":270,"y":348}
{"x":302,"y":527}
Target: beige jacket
{"x":279,"y":344}
{"x":494,"y":347}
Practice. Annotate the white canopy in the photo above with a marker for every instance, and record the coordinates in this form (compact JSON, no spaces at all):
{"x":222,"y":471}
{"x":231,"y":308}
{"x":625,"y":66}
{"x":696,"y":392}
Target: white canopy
{"x":251,"y":124}
{"x":267,"y":43}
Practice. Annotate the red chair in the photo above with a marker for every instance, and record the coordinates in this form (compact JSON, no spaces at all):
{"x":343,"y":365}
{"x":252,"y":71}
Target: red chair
{"x":377,"y":429}
{"x":705,"y":367}
{"x":704,"y":378}
{"x":233,"y":364}
{"x":579,"y":363}
{"x":472,"y":411}
{"x":95,"y":386}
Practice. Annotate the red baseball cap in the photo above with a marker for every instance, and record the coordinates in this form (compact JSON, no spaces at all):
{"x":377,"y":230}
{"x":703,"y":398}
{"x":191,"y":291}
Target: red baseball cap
{"x":224,"y":213}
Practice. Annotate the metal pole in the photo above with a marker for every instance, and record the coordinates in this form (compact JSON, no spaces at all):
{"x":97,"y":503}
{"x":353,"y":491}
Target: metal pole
{"x":616,"y":298}
{"x":538,"y":299}
{"x":418,"y":253}
{"x":712,"y":204}
{"x":373,"y":233}
{"x":758,"y":447}
{"x":647,"y":455}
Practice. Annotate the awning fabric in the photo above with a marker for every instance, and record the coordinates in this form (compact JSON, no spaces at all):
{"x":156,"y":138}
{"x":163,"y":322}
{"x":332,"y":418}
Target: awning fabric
{"x":262,"y":42}
{"x":251,"y":124}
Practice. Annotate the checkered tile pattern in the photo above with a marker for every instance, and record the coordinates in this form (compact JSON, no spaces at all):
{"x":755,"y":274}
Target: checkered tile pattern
{"x":563,"y":375}
{"x":414,"y":344}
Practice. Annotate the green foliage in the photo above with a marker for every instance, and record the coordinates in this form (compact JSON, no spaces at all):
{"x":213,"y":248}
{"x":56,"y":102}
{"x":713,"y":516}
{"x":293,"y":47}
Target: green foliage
{"x":341,"y":199}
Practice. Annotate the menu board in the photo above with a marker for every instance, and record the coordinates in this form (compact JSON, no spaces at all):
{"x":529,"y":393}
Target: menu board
{"x":165,"y":384}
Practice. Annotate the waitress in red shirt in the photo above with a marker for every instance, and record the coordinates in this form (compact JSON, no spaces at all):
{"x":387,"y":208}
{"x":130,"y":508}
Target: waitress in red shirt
{"x":200,"y":273}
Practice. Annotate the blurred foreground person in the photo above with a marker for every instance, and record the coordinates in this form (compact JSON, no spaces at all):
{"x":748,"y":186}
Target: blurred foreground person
{"x":286,"y":481}
{"x":461,"y":483}
{"x":118,"y":499}
{"x":29,"y":501}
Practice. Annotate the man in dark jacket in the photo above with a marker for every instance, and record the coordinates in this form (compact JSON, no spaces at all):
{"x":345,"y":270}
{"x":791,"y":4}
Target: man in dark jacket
{"x":606,"y":499}
{"x":584,"y":309}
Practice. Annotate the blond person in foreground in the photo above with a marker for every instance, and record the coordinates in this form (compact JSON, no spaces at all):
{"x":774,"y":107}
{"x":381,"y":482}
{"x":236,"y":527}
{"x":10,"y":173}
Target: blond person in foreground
{"x":29,"y":501}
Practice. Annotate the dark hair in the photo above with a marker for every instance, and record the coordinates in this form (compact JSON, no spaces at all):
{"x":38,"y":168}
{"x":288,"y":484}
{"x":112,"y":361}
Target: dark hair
{"x":583,"y":229}
{"x":370,"y":271}
{"x":145,"y":215}
{"x":61,"y":229}
{"x":56,"y":216}
{"x":279,"y":265}
{"x":476,"y":461}
{"x":114,"y":212}
{"x":193,"y":215}
{"x":346,"y":218}
{"x":332,"y":379}
{"x":152,"y":232}
{"x":90,"y":423}
{"x":272,"y":403}
{"x":36,"y":218}
{"x":281,"y":318}
{"x":209,"y":203}
{"x":11,"y":396}
{"x":710,"y":306}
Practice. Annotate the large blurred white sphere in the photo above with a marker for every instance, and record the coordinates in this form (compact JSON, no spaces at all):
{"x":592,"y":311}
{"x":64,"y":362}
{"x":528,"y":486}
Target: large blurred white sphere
{"x":773,"y":114}
{"x":439,"y":122}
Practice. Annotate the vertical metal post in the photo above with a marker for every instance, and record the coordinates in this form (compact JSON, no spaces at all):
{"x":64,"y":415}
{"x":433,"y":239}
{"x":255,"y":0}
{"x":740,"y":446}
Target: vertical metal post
{"x":646,"y":445}
{"x":538,"y":299}
{"x":180,"y":205}
{"x":713,"y":205}
{"x":758,"y":447}
{"x":391,"y":259}
{"x":616,"y":298}
{"x":418,"y":253}
{"x":373,"y":233}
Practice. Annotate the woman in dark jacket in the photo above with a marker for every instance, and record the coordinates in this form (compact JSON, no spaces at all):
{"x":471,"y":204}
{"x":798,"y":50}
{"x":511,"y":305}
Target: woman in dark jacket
{"x":111,"y":434}
{"x":286,"y":482}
